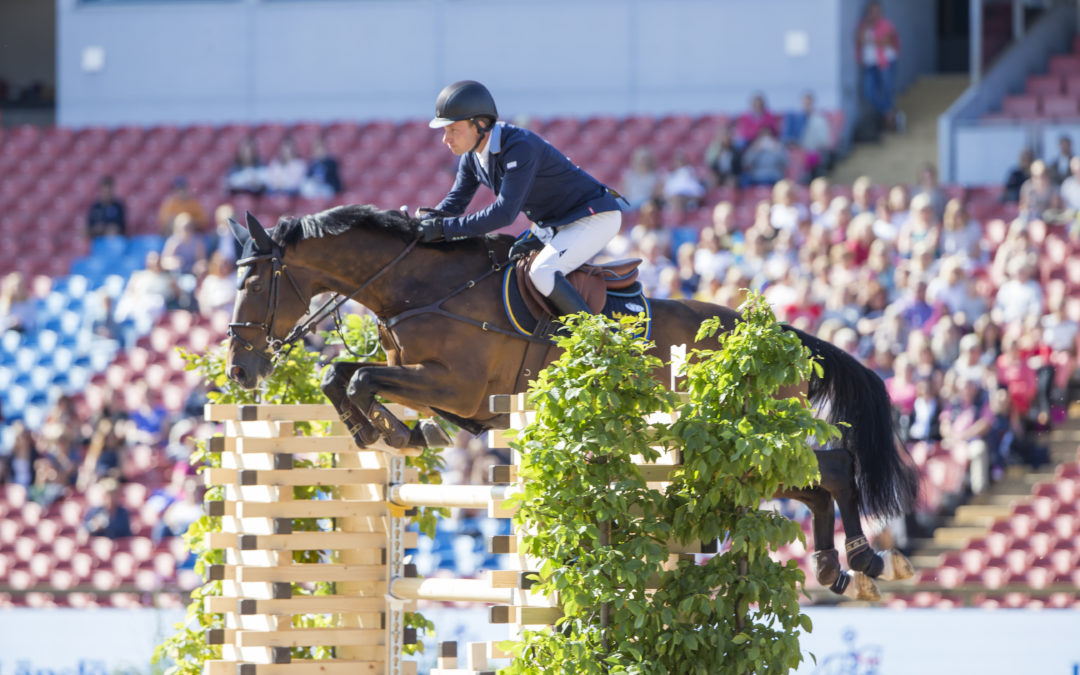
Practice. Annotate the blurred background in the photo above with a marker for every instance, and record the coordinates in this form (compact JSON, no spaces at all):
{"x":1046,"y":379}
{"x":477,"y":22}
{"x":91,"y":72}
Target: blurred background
{"x":901,"y":178}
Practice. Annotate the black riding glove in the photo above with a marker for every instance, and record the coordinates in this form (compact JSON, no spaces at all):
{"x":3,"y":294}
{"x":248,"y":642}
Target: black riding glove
{"x":431,"y":229}
{"x":524,"y":245}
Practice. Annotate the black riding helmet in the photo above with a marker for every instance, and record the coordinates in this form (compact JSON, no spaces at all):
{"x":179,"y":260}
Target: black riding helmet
{"x":465,"y":100}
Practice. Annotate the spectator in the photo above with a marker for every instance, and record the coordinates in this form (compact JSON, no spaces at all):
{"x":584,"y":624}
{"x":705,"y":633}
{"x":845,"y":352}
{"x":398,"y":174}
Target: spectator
{"x":148,"y":294}
{"x":217,"y":291}
{"x":1060,"y":166}
{"x":106,"y":215}
{"x":809,"y":129}
{"x":180,"y":200}
{"x":1018,"y":175}
{"x":106,"y":517}
{"x":18,"y":310}
{"x":925,"y":421}
{"x":964,"y":424}
{"x":928,"y":185}
{"x":764,"y":160}
{"x":323,"y":180}
{"x":862,"y":196}
{"x":819,"y":199}
{"x":750,"y":125}
{"x":641,"y":181}
{"x":1070,"y":188}
{"x":682,"y":183}
{"x":183,"y":249}
{"x":104,"y":453}
{"x":901,"y":386}
{"x":786,"y":213}
{"x":181,"y":512}
{"x":286,"y":171}
{"x":1020,"y":296}
{"x":654,"y":261}
{"x":223,"y":241}
{"x":247,"y":175}
{"x":920,"y":228}
{"x":19,"y":467}
{"x":723,"y":158}
{"x":1039,"y":195}
{"x":149,"y":419}
{"x":1014,"y":374}
{"x":878,"y":48}
{"x":960,"y":234}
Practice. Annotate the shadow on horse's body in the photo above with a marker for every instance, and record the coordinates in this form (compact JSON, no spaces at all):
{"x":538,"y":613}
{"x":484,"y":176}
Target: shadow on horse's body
{"x":450,"y":347}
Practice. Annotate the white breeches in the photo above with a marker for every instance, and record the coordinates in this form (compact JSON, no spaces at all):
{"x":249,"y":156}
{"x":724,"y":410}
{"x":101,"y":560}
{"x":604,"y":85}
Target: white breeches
{"x":571,"y":246}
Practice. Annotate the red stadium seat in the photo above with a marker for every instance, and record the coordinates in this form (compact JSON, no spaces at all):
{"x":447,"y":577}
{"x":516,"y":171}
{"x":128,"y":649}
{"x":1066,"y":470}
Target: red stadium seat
{"x":1065,"y":64}
{"x":1045,"y":85}
{"x":1061,"y":106}
{"x":1022,"y":106}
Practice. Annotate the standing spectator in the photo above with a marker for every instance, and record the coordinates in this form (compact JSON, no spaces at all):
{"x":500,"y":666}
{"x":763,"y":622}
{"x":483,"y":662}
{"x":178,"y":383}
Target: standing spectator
{"x":1018,"y":175}
{"x":723,"y":158}
{"x":752,"y":123}
{"x":640,"y":180}
{"x":921,"y":228}
{"x":106,"y":215}
{"x":1060,"y":165}
{"x":1039,"y":194}
{"x":786,"y":212}
{"x":286,"y":171}
{"x":764,"y":160}
{"x":180,"y":200}
{"x":106,"y":517}
{"x":878,"y":48}
{"x":323,"y":180}
{"x":183,"y":250}
{"x":1070,"y":187}
{"x":964,"y":423}
{"x":247,"y":175}
{"x":809,"y":129}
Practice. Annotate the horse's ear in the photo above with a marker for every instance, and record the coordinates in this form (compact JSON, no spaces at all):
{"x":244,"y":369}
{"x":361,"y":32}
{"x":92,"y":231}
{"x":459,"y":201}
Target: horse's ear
{"x":262,"y":239}
{"x":241,"y":234}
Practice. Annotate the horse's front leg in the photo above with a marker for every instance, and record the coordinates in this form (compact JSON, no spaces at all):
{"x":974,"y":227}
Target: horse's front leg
{"x":418,"y":384}
{"x":335,"y":384}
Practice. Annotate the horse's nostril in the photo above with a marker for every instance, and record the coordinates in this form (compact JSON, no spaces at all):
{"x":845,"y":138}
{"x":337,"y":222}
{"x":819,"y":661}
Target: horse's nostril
{"x":236,"y":374}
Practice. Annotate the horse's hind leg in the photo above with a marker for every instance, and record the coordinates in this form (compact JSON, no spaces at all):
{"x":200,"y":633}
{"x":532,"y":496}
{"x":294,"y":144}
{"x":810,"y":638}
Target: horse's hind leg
{"x":826,"y":560}
{"x":838,"y":477}
{"x":361,"y":393}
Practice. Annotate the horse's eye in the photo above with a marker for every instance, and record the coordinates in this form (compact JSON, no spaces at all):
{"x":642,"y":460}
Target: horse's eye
{"x":255,"y":287}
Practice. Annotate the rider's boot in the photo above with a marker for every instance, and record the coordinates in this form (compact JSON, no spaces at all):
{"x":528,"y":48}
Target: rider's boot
{"x":565,"y":298}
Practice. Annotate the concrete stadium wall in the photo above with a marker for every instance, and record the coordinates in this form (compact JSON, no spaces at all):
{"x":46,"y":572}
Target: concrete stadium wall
{"x":27,"y":45}
{"x":229,"y":60}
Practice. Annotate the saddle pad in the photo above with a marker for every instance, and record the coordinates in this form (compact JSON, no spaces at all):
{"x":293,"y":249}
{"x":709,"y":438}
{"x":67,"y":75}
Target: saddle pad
{"x":627,"y":301}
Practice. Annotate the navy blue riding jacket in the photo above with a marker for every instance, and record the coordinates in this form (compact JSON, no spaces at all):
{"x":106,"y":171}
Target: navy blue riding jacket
{"x":529,"y":175}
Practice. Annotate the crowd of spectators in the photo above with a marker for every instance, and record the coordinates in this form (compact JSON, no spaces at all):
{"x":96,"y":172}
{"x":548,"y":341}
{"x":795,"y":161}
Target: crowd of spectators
{"x":973,"y":324}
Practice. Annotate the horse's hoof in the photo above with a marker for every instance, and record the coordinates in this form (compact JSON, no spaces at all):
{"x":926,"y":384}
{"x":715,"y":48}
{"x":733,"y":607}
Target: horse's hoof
{"x":862,"y":588}
{"x":826,"y":566}
{"x":434,"y":435}
{"x":897,"y":566}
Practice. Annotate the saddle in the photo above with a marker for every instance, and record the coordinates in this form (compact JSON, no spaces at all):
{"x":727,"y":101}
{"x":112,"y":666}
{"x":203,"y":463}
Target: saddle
{"x":592,"y":281}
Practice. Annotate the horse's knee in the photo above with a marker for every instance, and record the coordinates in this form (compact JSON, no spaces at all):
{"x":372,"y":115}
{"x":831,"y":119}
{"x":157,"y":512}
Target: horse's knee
{"x":827,"y":566}
{"x":361,"y":391}
{"x":863,"y":558}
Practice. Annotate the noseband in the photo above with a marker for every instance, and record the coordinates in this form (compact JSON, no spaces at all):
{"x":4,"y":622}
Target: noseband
{"x":275,"y":346}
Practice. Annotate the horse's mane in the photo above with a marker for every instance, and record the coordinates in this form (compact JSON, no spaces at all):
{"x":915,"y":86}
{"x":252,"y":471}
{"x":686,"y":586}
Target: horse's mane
{"x":341,"y":219}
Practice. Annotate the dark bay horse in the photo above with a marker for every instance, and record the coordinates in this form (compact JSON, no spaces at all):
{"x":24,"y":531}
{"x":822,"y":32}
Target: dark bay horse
{"x":450,"y":347}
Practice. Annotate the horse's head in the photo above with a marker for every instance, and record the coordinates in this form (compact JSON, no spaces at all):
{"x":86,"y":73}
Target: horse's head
{"x":268,"y":305}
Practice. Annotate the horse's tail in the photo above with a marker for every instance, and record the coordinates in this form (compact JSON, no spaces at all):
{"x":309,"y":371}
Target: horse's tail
{"x":885,"y":478}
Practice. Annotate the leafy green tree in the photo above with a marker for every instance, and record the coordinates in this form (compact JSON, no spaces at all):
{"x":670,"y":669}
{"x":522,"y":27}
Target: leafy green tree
{"x":603,"y":533}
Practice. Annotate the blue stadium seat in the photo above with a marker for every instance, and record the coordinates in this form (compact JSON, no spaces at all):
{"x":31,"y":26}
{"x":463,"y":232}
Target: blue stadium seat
{"x":109,"y":247}
{"x":11,"y":340}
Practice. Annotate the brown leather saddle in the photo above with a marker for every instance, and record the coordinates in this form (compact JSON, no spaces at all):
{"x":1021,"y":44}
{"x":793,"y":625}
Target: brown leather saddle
{"x":592,"y":281}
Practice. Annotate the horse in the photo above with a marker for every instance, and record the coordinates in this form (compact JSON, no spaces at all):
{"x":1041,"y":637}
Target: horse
{"x":450,"y":346}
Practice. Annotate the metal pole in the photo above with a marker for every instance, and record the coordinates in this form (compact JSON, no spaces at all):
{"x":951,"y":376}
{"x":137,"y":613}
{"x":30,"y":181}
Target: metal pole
{"x":975,"y":21}
{"x":1018,"y":20}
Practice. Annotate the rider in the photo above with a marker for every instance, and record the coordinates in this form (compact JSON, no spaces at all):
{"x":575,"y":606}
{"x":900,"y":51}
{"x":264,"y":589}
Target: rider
{"x":574,"y":216}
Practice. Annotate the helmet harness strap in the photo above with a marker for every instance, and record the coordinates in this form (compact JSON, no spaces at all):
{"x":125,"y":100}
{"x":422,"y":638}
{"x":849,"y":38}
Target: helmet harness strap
{"x":481,"y":127}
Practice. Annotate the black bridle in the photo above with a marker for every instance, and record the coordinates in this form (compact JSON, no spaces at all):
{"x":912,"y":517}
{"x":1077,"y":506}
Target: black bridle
{"x":277,"y":347}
